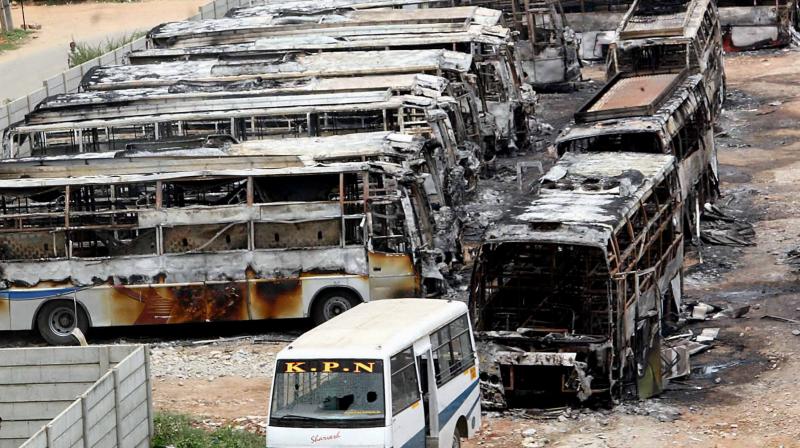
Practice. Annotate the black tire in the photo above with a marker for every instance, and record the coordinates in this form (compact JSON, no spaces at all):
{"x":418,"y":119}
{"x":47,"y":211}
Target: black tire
{"x":456,"y":438}
{"x":56,"y":320}
{"x":330,"y":304}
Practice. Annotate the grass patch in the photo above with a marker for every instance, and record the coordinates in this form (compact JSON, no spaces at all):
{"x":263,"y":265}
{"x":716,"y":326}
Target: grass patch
{"x":178,"y":430}
{"x":13,"y":39}
{"x":85,"y":52}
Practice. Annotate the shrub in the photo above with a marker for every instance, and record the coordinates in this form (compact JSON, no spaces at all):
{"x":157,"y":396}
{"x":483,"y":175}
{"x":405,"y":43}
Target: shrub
{"x":13,"y":39}
{"x":178,"y":431}
{"x":85,"y":52}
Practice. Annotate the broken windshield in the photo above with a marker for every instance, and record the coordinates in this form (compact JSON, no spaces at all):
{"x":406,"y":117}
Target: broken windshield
{"x":329,"y":393}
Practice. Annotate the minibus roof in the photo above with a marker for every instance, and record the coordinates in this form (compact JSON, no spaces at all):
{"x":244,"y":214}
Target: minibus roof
{"x":375,"y":329}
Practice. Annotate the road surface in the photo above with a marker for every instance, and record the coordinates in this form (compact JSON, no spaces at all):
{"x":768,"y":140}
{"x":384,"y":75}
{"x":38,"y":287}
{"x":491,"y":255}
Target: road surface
{"x":24,"y":69}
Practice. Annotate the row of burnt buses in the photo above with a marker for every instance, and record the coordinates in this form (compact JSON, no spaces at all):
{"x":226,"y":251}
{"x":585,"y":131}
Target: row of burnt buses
{"x":295,"y":159}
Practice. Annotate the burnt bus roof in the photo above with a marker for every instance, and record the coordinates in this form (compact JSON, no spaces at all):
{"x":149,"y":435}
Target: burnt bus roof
{"x":183,"y":168}
{"x":484,"y":27}
{"x":656,"y":19}
{"x":583,"y":199}
{"x":662,"y":121}
{"x":190,"y":102}
{"x":247,"y":29}
{"x":357,"y":38}
{"x":260,"y":154}
{"x":283,"y":66}
{"x":312,"y":6}
{"x":630,"y":94}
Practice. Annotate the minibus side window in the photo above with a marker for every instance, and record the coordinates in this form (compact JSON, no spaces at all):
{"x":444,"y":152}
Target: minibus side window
{"x":405,"y":386}
{"x":452,"y":350}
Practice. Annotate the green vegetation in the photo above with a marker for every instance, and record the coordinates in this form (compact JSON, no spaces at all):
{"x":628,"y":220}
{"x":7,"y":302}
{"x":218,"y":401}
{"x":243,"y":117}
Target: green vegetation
{"x":85,"y":52}
{"x":13,"y":39}
{"x":178,"y":431}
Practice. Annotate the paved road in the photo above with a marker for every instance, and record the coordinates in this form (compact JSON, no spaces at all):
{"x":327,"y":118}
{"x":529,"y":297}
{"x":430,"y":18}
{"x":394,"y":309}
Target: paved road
{"x":23,"y":70}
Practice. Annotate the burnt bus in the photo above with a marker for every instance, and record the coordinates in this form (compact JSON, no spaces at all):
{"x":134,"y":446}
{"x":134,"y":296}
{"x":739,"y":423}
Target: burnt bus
{"x":99,"y":242}
{"x":169,"y":117}
{"x":666,"y":113}
{"x":507,"y":103}
{"x":594,"y":22}
{"x":673,"y":36}
{"x":570,"y":287}
{"x":754,"y":24}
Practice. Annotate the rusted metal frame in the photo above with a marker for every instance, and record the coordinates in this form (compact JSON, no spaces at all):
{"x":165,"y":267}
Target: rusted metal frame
{"x":615,"y":254}
{"x":159,"y":228}
{"x":658,"y":232}
{"x":251,"y":227}
{"x":341,"y":210}
{"x":637,"y":239}
{"x":68,"y":240}
{"x":367,"y":227}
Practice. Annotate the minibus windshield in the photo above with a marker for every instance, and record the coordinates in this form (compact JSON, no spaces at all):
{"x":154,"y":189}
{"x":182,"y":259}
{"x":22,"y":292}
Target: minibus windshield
{"x":328,"y":393}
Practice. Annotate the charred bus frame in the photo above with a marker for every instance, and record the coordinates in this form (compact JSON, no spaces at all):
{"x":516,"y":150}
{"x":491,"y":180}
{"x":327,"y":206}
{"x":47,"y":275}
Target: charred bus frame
{"x":170,"y":117}
{"x":464,"y":103}
{"x":569,"y":289}
{"x":508,"y":103}
{"x":753,"y":24}
{"x":671,"y":36}
{"x":171,"y":240}
{"x":595,"y":22}
{"x":667,"y":113}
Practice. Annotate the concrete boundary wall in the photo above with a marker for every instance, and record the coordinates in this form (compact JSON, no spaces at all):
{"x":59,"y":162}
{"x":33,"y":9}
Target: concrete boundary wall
{"x":68,"y":81}
{"x":83,"y":397}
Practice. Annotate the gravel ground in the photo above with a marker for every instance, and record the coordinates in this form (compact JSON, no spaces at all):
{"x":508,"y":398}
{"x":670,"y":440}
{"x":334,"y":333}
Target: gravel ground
{"x":241,"y":358}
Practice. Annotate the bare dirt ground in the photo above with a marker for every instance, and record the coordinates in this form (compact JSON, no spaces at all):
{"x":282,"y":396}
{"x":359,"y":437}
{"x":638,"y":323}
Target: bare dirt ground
{"x":742,"y":393}
{"x":46,"y":54}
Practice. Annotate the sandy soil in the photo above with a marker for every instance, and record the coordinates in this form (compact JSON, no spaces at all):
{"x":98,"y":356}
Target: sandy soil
{"x":224,"y":399}
{"x":749,"y":397}
{"x":46,"y":54}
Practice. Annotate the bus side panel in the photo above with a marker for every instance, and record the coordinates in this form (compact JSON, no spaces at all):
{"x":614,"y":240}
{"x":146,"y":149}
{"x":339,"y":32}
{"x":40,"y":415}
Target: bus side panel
{"x":275,"y":299}
{"x":313,"y":284}
{"x":5,"y":314}
{"x":22,"y":313}
{"x":24,"y":304}
{"x":459,"y":397}
{"x":167,"y":304}
{"x":392,"y":276}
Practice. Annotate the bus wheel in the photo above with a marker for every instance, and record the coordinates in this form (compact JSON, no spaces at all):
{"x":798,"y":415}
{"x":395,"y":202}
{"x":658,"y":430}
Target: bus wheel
{"x":57,"y":319}
{"x":332,"y":303}
{"x":456,"y":438}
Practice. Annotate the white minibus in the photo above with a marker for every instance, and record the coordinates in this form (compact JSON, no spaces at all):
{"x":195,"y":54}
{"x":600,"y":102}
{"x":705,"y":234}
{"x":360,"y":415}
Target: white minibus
{"x":389,"y":373}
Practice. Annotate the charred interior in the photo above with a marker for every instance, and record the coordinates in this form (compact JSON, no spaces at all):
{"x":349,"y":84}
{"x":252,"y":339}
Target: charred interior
{"x":545,"y":288}
{"x":208,"y":214}
{"x":570,"y":287}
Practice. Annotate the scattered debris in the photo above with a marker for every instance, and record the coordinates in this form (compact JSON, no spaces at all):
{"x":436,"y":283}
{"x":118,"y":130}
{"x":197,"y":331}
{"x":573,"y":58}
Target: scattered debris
{"x":733,"y":311}
{"x":780,"y":319}
{"x":719,"y":228}
{"x":708,"y":335}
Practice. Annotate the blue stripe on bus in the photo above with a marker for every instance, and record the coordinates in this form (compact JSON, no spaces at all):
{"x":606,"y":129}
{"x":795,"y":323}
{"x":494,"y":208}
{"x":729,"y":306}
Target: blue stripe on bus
{"x":451,"y":409}
{"x":34,"y":294}
{"x":417,"y":441}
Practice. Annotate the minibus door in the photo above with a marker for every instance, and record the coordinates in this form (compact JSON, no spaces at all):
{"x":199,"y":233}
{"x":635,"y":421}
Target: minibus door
{"x":408,"y":412}
{"x":429,"y":397}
